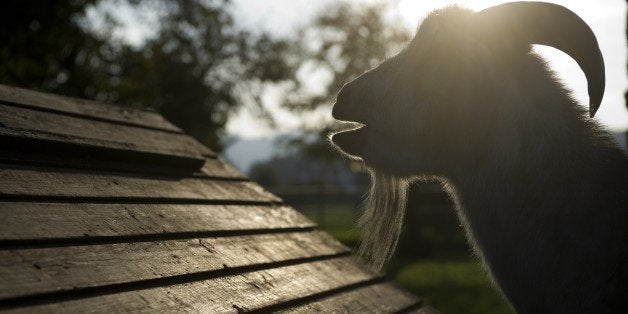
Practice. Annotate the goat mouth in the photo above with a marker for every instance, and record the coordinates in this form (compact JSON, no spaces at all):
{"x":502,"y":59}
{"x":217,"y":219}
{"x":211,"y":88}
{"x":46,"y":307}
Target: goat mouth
{"x":350,"y":138}
{"x":348,"y":126}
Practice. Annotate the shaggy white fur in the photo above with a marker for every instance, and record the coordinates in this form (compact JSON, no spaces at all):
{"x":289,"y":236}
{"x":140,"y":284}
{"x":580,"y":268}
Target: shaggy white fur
{"x":382,"y":217}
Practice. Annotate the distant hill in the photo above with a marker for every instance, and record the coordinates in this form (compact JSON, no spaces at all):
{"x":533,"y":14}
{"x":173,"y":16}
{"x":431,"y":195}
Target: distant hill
{"x":243,"y":153}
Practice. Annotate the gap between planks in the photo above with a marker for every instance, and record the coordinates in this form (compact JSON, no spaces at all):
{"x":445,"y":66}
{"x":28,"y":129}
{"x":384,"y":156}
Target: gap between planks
{"x":315,"y":297}
{"x":377,"y":297}
{"x":83,"y":108}
{"x":92,"y":117}
{"x":32,"y":124}
{"x":133,"y":200}
{"x":245,"y":291}
{"x":61,"y":296}
{"x":42,"y":270}
{"x":44,"y":183}
{"x":173,"y":130}
{"x":44,"y":221}
{"x":100,"y":240}
{"x":212,"y":169}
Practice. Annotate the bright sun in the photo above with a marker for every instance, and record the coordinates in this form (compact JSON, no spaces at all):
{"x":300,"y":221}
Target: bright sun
{"x":607,"y":18}
{"x":414,"y":10}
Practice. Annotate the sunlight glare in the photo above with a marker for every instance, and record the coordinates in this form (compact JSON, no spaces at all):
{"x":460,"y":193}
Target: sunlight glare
{"x":607,"y":18}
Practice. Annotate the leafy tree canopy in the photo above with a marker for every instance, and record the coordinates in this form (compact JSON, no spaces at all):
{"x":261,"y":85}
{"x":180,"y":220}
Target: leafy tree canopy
{"x":188,"y":71}
{"x":344,"y":41}
{"x":199,"y":66}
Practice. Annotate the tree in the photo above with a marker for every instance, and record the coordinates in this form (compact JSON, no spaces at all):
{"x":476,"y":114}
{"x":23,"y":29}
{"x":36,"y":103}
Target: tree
{"x":189,"y":71}
{"x":43,"y":46}
{"x":198,"y":67}
{"x":345,"y":40}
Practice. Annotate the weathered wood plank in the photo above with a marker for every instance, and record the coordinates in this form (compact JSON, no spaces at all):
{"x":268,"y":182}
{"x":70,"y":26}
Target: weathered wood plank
{"x":85,"y":108}
{"x":101,"y":132}
{"x":42,"y":270}
{"x":378,"y":298}
{"x":54,"y":149}
{"x":247,"y":291}
{"x":211,"y":168}
{"x":49,"y":221}
{"x":216,"y":168}
{"x":55,"y":183}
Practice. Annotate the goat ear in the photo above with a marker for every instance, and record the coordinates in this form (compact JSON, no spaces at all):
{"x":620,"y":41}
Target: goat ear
{"x":551,"y":25}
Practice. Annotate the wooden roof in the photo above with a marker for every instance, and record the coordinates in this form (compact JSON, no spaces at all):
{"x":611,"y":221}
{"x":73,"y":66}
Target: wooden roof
{"x":105,"y":208}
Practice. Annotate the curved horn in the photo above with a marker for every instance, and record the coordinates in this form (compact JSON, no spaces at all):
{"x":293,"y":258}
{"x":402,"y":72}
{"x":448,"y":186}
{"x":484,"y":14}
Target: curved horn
{"x":556,"y":26}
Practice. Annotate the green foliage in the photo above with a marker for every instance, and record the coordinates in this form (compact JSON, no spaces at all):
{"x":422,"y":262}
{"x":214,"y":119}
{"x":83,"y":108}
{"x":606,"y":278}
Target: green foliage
{"x":338,"y":219}
{"x":199,"y":67}
{"x":44,"y":47}
{"x":189,"y":71}
{"x":344,"y":41}
{"x":452,"y":286}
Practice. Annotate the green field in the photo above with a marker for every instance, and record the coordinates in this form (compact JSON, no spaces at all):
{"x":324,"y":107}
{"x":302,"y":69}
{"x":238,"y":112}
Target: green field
{"x":451,"y":286}
{"x":448,"y":278}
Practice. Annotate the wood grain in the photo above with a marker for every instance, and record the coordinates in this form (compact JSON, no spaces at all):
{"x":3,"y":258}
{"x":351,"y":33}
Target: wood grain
{"x":41,"y":270}
{"x":216,"y":168}
{"x":247,"y":291}
{"x":46,"y":221}
{"x":101,"y":131}
{"x":55,"y":183}
{"x":111,"y":209}
{"x":378,"y":298}
{"x":85,"y":108}
{"x":211,"y":167}
{"x":28,"y":147}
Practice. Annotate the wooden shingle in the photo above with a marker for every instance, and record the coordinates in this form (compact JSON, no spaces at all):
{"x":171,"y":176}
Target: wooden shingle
{"x":109,"y":209}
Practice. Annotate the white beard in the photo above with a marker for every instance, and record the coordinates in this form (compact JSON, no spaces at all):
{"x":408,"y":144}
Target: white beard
{"x":381,"y":221}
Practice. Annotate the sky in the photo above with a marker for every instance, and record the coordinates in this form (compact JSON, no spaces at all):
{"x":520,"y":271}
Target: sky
{"x":607,"y":18}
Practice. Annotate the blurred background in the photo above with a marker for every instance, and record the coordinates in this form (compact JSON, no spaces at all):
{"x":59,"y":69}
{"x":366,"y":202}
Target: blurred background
{"x":255,"y":81}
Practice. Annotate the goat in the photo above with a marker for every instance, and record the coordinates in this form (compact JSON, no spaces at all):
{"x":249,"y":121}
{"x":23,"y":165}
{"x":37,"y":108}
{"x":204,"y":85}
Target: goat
{"x":538,"y":185}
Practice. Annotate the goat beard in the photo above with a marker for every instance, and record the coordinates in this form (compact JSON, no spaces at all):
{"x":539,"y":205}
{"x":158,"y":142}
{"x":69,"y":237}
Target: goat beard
{"x":382,"y":218}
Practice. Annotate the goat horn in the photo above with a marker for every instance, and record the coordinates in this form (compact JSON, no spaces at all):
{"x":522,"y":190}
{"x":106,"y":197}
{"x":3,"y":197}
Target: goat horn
{"x":551,"y":25}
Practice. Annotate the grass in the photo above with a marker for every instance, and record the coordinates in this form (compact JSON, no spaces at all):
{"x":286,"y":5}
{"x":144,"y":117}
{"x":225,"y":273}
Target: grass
{"x":451,"y":283}
{"x":337,"y":221}
{"x":451,"y":286}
